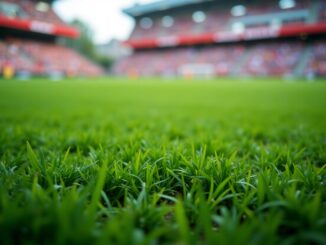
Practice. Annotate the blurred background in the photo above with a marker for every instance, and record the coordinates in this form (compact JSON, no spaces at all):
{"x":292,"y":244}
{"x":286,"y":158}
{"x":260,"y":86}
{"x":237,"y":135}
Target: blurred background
{"x":170,"y":38}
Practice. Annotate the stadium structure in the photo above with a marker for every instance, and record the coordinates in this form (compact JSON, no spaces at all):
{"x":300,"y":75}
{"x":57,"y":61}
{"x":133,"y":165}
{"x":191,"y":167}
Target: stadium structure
{"x":219,"y":38}
{"x":30,"y":34}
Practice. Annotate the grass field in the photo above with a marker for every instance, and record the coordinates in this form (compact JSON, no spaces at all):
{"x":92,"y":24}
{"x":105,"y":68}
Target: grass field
{"x":157,"y":162}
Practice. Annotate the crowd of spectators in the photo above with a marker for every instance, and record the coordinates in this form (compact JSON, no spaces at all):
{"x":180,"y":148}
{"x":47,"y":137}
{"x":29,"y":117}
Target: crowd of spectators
{"x":322,"y":12}
{"x":151,"y":63}
{"x":10,"y":54}
{"x":222,"y":58}
{"x":279,"y":58}
{"x":169,"y":62}
{"x":317,"y":62}
{"x":42,"y":58}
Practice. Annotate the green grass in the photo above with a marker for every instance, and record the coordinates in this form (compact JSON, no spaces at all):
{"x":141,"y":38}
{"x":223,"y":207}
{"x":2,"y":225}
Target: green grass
{"x":156,"y":162}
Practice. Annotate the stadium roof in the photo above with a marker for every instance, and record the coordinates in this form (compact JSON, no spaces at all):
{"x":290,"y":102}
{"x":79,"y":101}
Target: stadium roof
{"x":141,"y":9}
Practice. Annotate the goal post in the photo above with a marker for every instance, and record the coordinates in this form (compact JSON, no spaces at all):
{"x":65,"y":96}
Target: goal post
{"x":197,"y":70}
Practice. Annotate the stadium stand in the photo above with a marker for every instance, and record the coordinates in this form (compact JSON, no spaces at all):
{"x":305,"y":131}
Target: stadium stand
{"x":253,"y":38}
{"x":274,"y":59}
{"x":30,"y":31}
{"x":317,"y":63}
{"x":322,"y":12}
{"x":45,"y":58}
{"x":217,"y":18}
{"x":169,"y":62}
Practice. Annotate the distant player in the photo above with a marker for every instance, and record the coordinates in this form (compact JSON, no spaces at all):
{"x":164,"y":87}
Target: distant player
{"x":8,"y":70}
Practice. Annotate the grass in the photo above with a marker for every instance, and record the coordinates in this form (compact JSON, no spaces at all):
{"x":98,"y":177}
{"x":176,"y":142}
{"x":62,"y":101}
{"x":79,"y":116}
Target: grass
{"x":153,"y":162}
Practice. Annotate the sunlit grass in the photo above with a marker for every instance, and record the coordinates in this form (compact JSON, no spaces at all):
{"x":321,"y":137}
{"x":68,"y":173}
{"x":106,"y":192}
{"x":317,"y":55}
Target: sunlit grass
{"x":159,"y":162}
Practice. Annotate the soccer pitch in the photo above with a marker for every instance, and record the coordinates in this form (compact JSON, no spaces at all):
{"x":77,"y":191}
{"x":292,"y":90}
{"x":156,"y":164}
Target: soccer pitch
{"x":112,"y":161}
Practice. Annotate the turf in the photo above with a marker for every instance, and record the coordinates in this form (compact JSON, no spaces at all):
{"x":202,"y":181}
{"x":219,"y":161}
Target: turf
{"x":162,"y":162}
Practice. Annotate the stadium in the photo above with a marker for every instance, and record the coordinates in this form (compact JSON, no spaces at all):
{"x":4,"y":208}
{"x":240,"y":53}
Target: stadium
{"x":238,"y":38}
{"x":203,"y":123}
{"x":30,"y":34}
